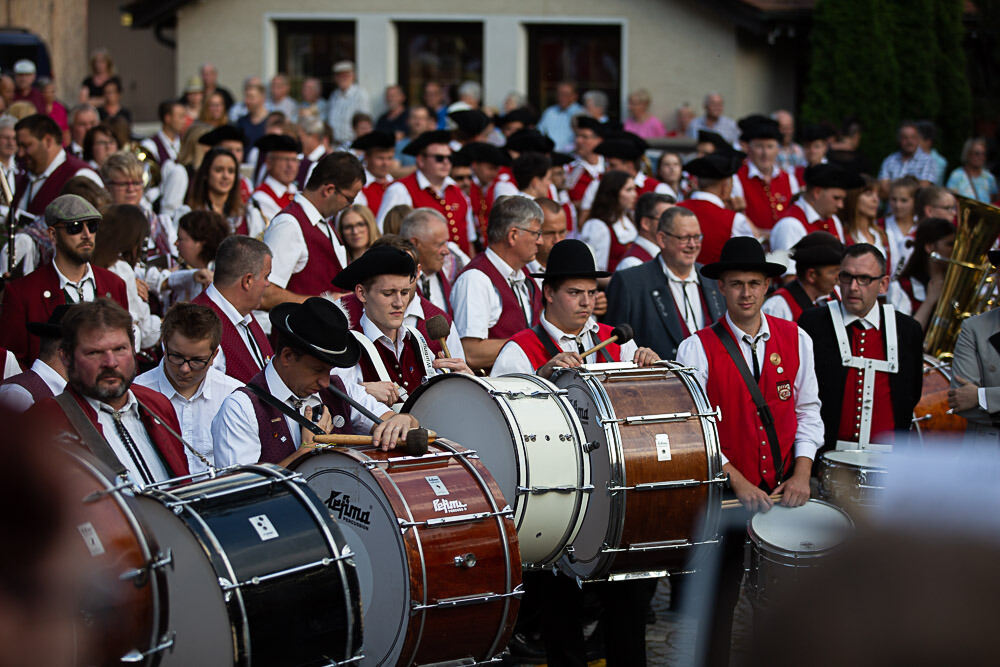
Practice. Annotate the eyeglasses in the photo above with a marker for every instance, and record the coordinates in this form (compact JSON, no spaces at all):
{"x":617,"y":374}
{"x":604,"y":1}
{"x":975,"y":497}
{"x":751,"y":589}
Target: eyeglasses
{"x":690,"y":238}
{"x":438,"y":157}
{"x":126,"y":184}
{"x":536,"y":232}
{"x":104,"y":142}
{"x":846,"y":279}
{"x":350,"y":199}
{"x":75,"y":227}
{"x":194,"y":363}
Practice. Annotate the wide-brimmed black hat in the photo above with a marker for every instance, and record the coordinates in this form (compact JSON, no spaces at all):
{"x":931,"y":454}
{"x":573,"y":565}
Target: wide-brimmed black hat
{"x":425,"y":139}
{"x":561,"y":159}
{"x":716,"y":166}
{"x":828,"y":175}
{"x":714,"y":138}
{"x":50,"y":328}
{"x":757,"y":126}
{"x":470,"y":121}
{"x":817,"y":249}
{"x":375,"y":139}
{"x":480,"y":151}
{"x":378,"y":261}
{"x":815,"y":132}
{"x":742,"y":253}
{"x":277,"y":143}
{"x":222,"y":133}
{"x":571,"y":258}
{"x":319,"y":328}
{"x":530,"y":141}
{"x":519,"y":115}
{"x":585,"y":122}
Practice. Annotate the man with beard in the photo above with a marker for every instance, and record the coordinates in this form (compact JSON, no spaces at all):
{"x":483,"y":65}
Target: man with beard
{"x":130,"y":428}
{"x":69,"y":278}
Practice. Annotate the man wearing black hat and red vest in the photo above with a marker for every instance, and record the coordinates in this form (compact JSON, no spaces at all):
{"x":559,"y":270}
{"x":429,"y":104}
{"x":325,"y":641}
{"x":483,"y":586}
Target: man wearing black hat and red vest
{"x":47,"y":376}
{"x":817,"y":264}
{"x":380,"y":149}
{"x":233,"y":140}
{"x":752,"y":364}
{"x":766,"y":189}
{"x":395,"y":358}
{"x":431,"y":186}
{"x":815,"y":140}
{"x":307,"y":253}
{"x":264,"y":421}
{"x":624,"y":152}
{"x":715,"y":186}
{"x":488,"y":164}
{"x":494,"y":297}
{"x":281,"y":159}
{"x":588,"y":165}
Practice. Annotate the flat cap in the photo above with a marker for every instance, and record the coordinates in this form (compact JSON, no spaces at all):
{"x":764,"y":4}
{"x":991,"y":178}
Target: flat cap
{"x":70,"y":208}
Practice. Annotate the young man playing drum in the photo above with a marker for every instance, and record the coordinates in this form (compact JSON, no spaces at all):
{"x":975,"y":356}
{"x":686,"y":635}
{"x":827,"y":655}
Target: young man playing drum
{"x":269,"y":419}
{"x":745,"y":360}
{"x":567,"y":327}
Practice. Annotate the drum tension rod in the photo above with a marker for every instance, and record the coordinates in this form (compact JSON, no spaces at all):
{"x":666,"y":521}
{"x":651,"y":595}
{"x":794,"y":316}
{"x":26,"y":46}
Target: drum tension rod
{"x":657,"y":419}
{"x":658,"y":546}
{"x":586,"y":488}
{"x":256,"y":581}
{"x":135,"y":655}
{"x":514,"y":395}
{"x":126,"y":485}
{"x":139,"y":575}
{"x":466,"y":600}
{"x":403,"y":460}
{"x":178,"y":505}
{"x":461,"y":518}
{"x":350,"y":661}
{"x":677,"y":484}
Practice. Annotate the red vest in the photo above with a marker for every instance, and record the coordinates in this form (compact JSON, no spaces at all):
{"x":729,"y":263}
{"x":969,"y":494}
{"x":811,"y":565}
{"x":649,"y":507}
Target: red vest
{"x":407,"y":371}
{"x":373,"y":193}
{"x":454,"y":207}
{"x":617,"y":249}
{"x":578,"y":188}
{"x":766,"y":204}
{"x":245,"y":189}
{"x":648,"y":185}
{"x":870,"y":344}
{"x":322,"y":266}
{"x":741,"y":432}
{"x":355,"y":309}
{"x":30,"y":381}
{"x":637,"y":251}
{"x":529,"y":342}
{"x":504,"y":174}
{"x":240,"y":363}
{"x":162,"y":154}
{"x":512,"y":316}
{"x":282,"y":202}
{"x":821,"y":225}
{"x":50,"y":189}
{"x":716,"y":224}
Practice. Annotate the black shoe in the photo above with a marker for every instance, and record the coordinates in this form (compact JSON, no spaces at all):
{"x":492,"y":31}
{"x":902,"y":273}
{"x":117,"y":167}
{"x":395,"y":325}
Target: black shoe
{"x":527,"y":648}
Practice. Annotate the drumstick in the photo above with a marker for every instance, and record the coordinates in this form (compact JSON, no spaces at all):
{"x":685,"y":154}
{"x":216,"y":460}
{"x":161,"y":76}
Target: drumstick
{"x":621,"y":334}
{"x":415,"y":440}
{"x":417,"y":447}
{"x":438,"y":329}
{"x":727,"y":504}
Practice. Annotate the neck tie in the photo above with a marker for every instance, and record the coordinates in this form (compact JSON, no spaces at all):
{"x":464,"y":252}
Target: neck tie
{"x":133,"y":449}
{"x":425,"y":286}
{"x":254,"y":350}
{"x":753,"y":355}
{"x":517,"y":286}
{"x":78,"y":288}
{"x":690,"y":318}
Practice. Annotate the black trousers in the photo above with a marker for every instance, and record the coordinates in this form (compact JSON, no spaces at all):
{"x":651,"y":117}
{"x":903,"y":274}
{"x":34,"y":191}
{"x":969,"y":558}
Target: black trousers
{"x":727,"y":590}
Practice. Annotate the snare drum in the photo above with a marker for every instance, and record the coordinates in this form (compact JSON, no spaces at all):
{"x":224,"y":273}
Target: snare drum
{"x":656,"y":469}
{"x":851,"y":477}
{"x":257,"y":571}
{"x":436,"y":549}
{"x":785,"y":540}
{"x":931,"y":413}
{"x":530,"y":440}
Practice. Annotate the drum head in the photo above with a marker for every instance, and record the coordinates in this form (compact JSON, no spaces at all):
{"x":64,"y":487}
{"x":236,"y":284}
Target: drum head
{"x":371,"y":529}
{"x":858,"y":458}
{"x":811,"y":528}
{"x":198,"y":613}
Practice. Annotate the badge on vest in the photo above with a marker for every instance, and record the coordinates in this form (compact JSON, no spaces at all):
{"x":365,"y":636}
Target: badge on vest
{"x":784,"y":390}
{"x":776,"y":360}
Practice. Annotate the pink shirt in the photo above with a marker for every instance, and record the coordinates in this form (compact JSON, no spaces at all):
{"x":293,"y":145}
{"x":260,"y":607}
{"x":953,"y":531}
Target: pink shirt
{"x":647,"y":129}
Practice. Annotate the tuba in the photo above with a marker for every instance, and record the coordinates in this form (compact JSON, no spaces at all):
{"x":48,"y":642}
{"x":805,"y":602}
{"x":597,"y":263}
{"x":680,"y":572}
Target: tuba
{"x":969,"y":283}
{"x":150,"y":165}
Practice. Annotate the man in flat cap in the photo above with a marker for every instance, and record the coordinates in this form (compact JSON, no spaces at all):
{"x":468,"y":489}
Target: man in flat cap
{"x":379,"y":149}
{"x":281,"y":160}
{"x":68,"y":278}
{"x":275,"y":414}
{"x":817,"y":258}
{"x":766,"y":189}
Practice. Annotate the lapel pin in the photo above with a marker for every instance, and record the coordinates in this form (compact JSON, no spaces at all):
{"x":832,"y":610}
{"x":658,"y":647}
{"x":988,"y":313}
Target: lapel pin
{"x":47,"y":294}
{"x":775,"y":358}
{"x":338,"y":421}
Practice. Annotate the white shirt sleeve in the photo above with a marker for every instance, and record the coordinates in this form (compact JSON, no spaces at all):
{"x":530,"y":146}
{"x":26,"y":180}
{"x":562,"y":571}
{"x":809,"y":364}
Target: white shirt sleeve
{"x":255,"y":221}
{"x":786,"y":233}
{"x":234,"y":432}
{"x":511,"y":359}
{"x":587,"y":200}
{"x":737,"y":187}
{"x":173,"y":187}
{"x":15,"y":398}
{"x":10,"y":365}
{"x":776,"y":306}
{"x":691,"y":353}
{"x":597,"y":235}
{"x":455,"y":343}
{"x":394,"y":195}
{"x":504,"y":188}
{"x":288,"y":249}
{"x":476,"y":304}
{"x":741,"y":226}
{"x":628,"y":263}
{"x":268,"y":207}
{"x":810,"y":433}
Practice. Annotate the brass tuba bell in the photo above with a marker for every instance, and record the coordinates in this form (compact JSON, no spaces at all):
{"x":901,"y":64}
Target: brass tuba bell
{"x":150,"y":165}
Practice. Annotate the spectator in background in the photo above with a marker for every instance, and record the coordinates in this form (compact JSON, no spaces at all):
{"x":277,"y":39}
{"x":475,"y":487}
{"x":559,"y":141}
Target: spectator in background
{"x":312,"y":103}
{"x":253,"y":122}
{"x":901,"y":225}
{"x":715,"y":121}
{"x":356,"y":226}
{"x":909,"y":159}
{"x":394,"y":119}
{"x":102,"y":70}
{"x":346,"y":100}
{"x":513,"y":100}
{"x":51,"y":106}
{"x":361,"y":124}
{"x":280,"y":99}
{"x":194,"y":95}
{"x":433,"y":98}
{"x":216,"y":188}
{"x":98,"y":144}
{"x":24,"y":85}
{"x":815,"y":145}
{"x":595,"y":105}
{"x":640,"y":121}
{"x":928,"y":134}
{"x":670,"y":170}
{"x":213,"y":111}
{"x":683,"y":118}
{"x":790,"y":154}
{"x":470,"y":93}
{"x":420,"y":119}
{"x":8,"y":149}
{"x":82,"y":117}
{"x":6,"y":91}
{"x":199,"y":235}
{"x":859,"y":218}
{"x":210,"y":80}
{"x":972,"y":179}
{"x":557,"y":120}
{"x":112,"y":107}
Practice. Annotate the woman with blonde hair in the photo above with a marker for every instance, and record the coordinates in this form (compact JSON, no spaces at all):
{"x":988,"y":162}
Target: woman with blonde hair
{"x":102,"y":70}
{"x":213,"y":110}
{"x":357,"y":230}
{"x":640,"y":121}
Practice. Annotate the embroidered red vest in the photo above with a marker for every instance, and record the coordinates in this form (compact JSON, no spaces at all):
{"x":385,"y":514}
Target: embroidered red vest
{"x":50,"y":189}
{"x":373,"y":193}
{"x":282,"y":202}
{"x":322,"y":266}
{"x":716,"y":225}
{"x":637,"y":251}
{"x":240,"y":363}
{"x":528,"y":341}
{"x":870,"y":344}
{"x":821,"y":225}
{"x":454,"y":207}
{"x":766,"y":204}
{"x":741,"y":432}
{"x":512,"y":317}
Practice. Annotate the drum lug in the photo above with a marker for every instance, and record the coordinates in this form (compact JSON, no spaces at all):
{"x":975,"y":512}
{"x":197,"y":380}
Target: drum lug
{"x":135,"y":655}
{"x":140,"y":575}
{"x":588,"y":447}
{"x":467,"y":600}
{"x":515,"y":395}
{"x":534,"y":490}
{"x":125,"y":485}
{"x":466,"y":560}
{"x":461,"y":518}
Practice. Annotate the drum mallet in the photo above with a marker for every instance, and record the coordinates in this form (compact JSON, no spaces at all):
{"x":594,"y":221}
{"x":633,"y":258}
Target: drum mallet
{"x":416,"y":439}
{"x":734,"y":503}
{"x":621,"y":334}
{"x":418,"y":447}
{"x":438,"y":329}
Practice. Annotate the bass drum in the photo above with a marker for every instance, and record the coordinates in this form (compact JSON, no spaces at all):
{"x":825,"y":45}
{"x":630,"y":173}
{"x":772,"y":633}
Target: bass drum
{"x":257,"y":571}
{"x":656,"y":469}
{"x":530,"y":440}
{"x":436,"y":549}
{"x":931,"y":413}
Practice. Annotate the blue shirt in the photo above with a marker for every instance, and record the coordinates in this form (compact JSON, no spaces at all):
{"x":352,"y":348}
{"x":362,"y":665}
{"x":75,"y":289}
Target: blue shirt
{"x":921,"y":166}
{"x":556,"y":123}
{"x":982,"y":188}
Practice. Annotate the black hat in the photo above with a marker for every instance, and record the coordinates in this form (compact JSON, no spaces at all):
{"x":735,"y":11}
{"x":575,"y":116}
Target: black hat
{"x":425,"y":139}
{"x":829,"y":175}
{"x":530,"y":141}
{"x":273,"y":143}
{"x":378,"y":261}
{"x":759,"y":127}
{"x":50,"y":328}
{"x":714,"y":138}
{"x":319,"y":328}
{"x":519,"y":115}
{"x":742,"y":253}
{"x":470,"y":121}
{"x":817,"y":249}
{"x":479,"y":151}
{"x":571,"y":258}
{"x":376,"y":139}
{"x":585,"y":122}
{"x":623,"y":146}
{"x":716,"y":166}
{"x":461,"y":159}
{"x":222,"y":133}
{"x":816,"y":132}
{"x":561,"y":159}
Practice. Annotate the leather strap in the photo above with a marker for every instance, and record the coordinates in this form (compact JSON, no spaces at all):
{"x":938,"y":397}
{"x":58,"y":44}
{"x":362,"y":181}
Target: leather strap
{"x":799,"y":294}
{"x":284,"y":409}
{"x":188,"y":446}
{"x":552,"y":349}
{"x":763,"y":411}
{"x":89,"y":434}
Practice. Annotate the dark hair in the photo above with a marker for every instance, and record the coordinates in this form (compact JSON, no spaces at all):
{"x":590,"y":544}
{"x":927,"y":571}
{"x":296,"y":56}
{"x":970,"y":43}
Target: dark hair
{"x":90,"y":137}
{"x":398,"y":242}
{"x":208,"y":227}
{"x":659,"y":162}
{"x":548,"y":205}
{"x":192,"y":321}
{"x":862,"y":249}
{"x":666,"y":222}
{"x":341,"y":169}
{"x":113,"y":81}
{"x":528,"y":167}
{"x":360,"y":117}
{"x":121,"y":235}
{"x":927,"y":130}
{"x":646,"y":204}
{"x":86,"y":188}
{"x":236,"y":257}
{"x":198,"y":199}
{"x":929,"y":230}
{"x":102,"y":313}
{"x":606,"y":206}
{"x":165,"y":108}
{"x":849,"y":217}
{"x":39,"y":125}
{"x":925,"y":197}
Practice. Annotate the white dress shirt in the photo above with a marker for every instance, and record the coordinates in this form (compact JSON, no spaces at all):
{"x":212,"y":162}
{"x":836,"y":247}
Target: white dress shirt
{"x":240,"y":322}
{"x":645,"y":244}
{"x":137,"y":431}
{"x":145,"y":325}
{"x":898,"y":244}
{"x":577,"y":168}
{"x":741,"y":223}
{"x":477,"y":303}
{"x":235,"y":432}
{"x":173,"y":146}
{"x":690,"y":287}
{"x":809,"y":433}
{"x":788,"y":231}
{"x":35,"y":182}
{"x":512,"y":359}
{"x":288,"y":247}
{"x":596,"y":234}
{"x":753,"y":171}
{"x":776,"y":306}
{"x":70,"y":289}
{"x":587,"y":201}
{"x":415,"y":312}
{"x":397,"y":194}
{"x":17,"y":398}
{"x":10,"y":365}
{"x":267,"y":205}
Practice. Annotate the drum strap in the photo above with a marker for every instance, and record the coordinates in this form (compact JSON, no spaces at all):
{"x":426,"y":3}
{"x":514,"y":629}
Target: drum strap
{"x":89,"y":434}
{"x":763,"y":411}
{"x":284,"y":409}
{"x":550,"y":346}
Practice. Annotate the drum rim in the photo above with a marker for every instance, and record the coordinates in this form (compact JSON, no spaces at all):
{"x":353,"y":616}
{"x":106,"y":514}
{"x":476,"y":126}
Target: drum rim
{"x":834,"y":463}
{"x":758,"y":542}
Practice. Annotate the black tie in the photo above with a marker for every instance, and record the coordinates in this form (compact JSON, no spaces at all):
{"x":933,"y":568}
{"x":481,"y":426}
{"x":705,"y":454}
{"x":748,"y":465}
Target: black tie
{"x":133,"y":450}
{"x":258,"y":357}
{"x":753,"y":355}
{"x":425,"y":286}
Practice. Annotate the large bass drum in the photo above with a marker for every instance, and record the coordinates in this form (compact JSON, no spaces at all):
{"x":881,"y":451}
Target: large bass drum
{"x":436,"y":549}
{"x":530,"y":440}
{"x":258,"y":573}
{"x":655,"y":466}
{"x":931,"y":413}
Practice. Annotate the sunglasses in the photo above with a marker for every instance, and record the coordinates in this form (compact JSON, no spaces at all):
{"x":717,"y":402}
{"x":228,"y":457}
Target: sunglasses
{"x":438,"y":157}
{"x":75,"y":227}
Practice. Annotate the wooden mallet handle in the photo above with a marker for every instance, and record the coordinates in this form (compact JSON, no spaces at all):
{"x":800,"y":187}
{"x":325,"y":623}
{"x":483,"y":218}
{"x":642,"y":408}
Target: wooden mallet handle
{"x":734,"y":503}
{"x":620,"y":334}
{"x":415,"y":441}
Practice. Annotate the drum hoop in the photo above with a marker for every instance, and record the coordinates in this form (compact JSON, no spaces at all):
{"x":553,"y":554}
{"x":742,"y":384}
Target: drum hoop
{"x":833,"y":463}
{"x":146,"y":539}
{"x":766,"y":546}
